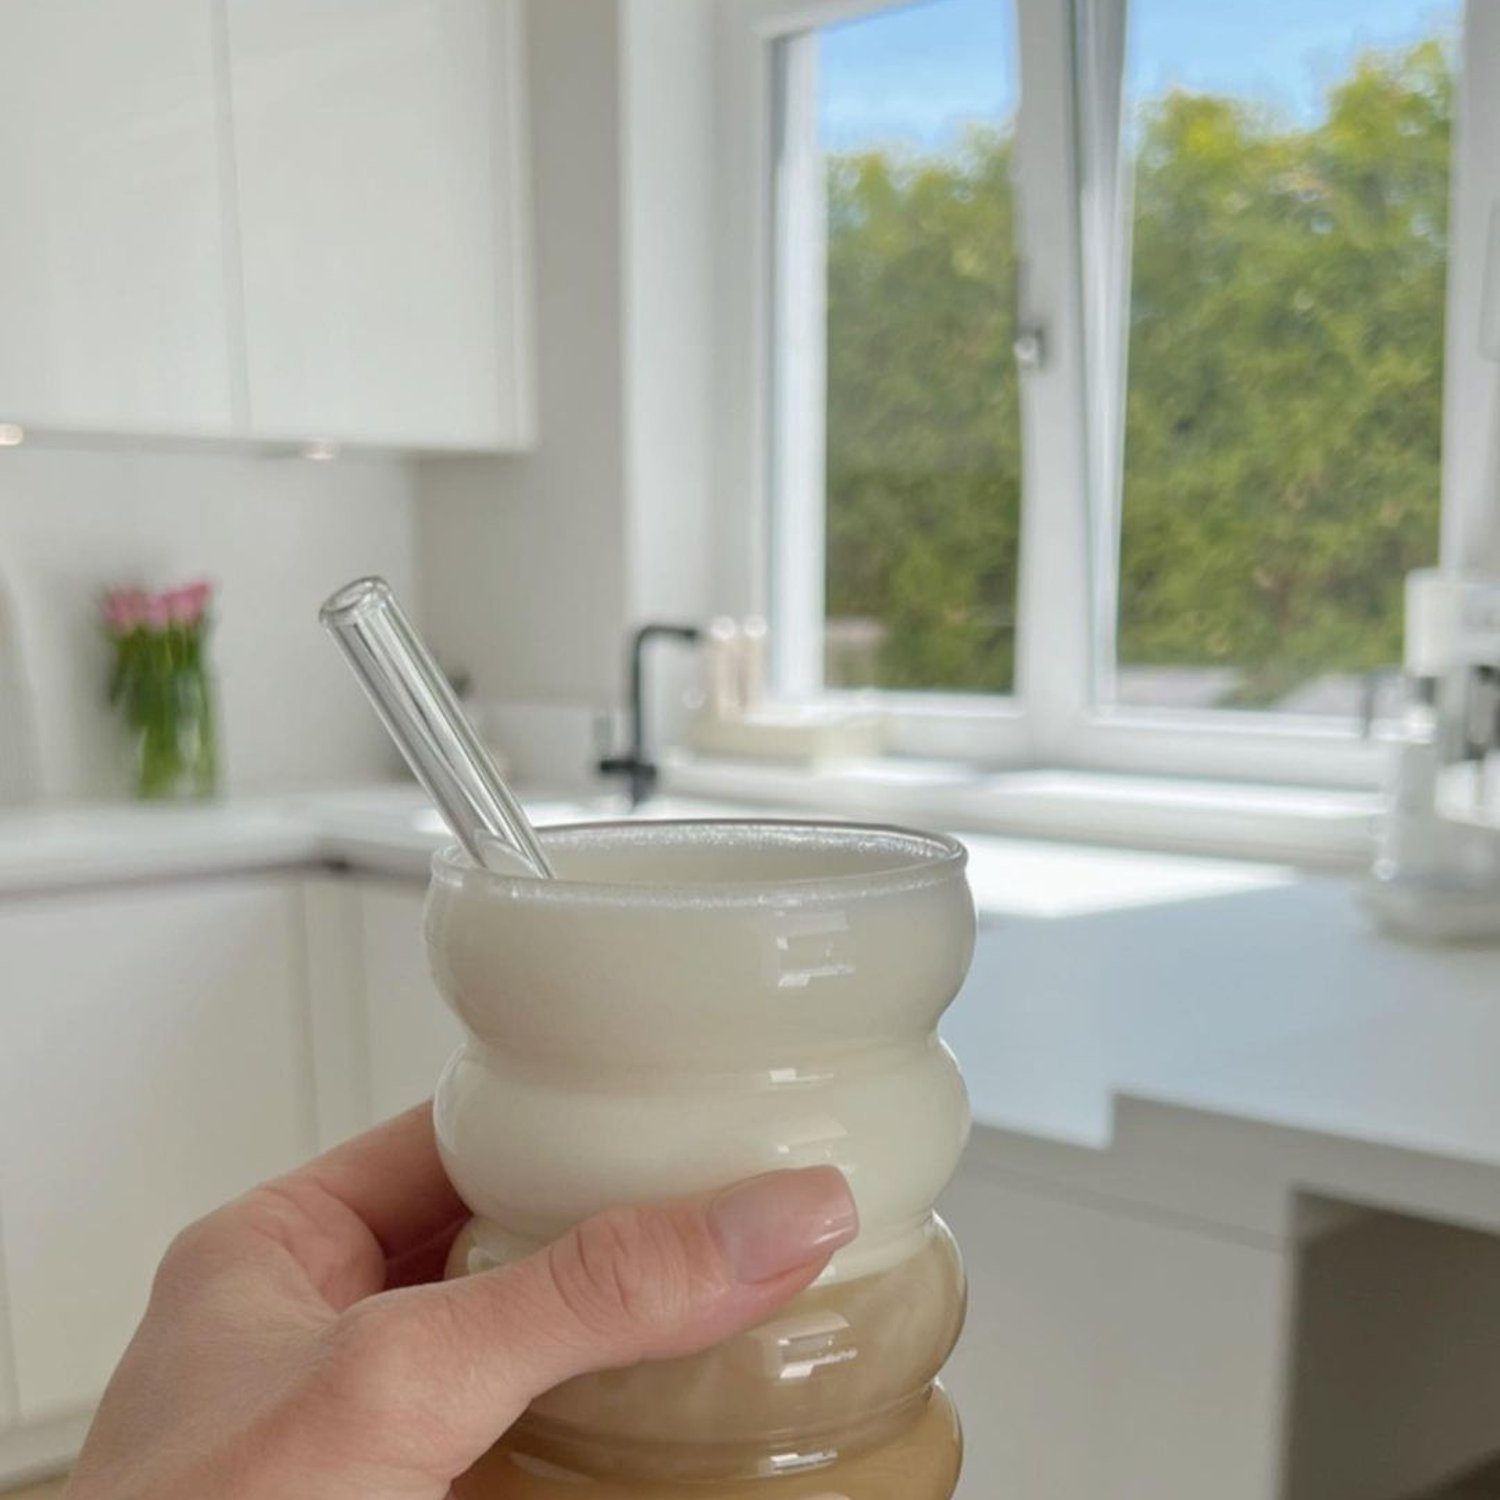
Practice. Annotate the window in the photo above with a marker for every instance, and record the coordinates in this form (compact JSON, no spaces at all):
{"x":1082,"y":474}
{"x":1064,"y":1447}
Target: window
{"x":1283,"y":407}
{"x":1102,"y":402}
{"x":921,"y":488}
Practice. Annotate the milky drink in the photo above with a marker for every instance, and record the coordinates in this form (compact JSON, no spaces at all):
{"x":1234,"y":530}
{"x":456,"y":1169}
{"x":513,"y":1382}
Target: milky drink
{"x":689,"y":1004}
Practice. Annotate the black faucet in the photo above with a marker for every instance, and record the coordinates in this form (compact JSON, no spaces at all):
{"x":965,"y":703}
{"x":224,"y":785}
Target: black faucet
{"x":641,"y":774}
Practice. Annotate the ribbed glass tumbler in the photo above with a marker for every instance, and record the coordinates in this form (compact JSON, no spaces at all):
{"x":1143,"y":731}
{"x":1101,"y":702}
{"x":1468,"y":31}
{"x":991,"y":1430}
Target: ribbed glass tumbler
{"x":688,"y":1004}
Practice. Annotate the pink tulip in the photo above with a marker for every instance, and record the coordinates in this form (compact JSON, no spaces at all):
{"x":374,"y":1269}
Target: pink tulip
{"x":202,"y":594}
{"x":158,"y":612}
{"x":188,"y":605}
{"x":124,"y":610}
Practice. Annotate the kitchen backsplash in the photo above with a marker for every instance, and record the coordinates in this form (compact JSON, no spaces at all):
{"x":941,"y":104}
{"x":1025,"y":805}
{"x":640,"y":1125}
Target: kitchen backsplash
{"x":274,"y":534}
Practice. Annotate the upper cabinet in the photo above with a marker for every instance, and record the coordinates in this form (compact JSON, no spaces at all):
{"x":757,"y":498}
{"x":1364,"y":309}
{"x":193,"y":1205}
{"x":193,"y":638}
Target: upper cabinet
{"x":274,"y":220}
{"x":376,"y":149}
{"x":114,"y":297}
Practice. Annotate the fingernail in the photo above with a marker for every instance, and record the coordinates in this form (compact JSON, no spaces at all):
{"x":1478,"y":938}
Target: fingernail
{"x":773,"y":1224}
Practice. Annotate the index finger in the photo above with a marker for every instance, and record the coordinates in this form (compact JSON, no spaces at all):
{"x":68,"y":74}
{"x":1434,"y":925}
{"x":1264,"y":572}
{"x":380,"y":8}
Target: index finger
{"x":392,"y":1179}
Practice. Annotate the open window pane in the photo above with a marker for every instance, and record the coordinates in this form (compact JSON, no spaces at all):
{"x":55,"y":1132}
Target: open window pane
{"x":914,"y":120}
{"x":1284,"y":394}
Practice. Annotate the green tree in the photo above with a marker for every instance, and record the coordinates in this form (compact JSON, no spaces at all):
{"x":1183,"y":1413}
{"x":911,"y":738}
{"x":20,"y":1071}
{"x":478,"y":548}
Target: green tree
{"x":924,"y":472}
{"x":1284,"y":398}
{"x":1284,"y":407}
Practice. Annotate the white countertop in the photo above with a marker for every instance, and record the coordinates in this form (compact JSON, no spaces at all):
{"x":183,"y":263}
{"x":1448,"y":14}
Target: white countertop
{"x":388,"y":829}
{"x":78,"y":846}
{"x":1247,"y":992}
{"x":394,"y":830}
{"x":1279,"y":1005}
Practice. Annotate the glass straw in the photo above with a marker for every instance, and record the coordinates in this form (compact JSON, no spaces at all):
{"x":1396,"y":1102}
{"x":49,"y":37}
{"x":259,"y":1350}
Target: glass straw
{"x":418,"y":706}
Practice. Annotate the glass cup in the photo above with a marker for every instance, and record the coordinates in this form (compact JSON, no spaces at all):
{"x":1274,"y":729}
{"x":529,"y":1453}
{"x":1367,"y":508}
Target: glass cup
{"x":686,"y":1005}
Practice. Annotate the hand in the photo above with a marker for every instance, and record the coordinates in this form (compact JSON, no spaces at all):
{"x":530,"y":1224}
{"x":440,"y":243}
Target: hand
{"x":296,"y":1344}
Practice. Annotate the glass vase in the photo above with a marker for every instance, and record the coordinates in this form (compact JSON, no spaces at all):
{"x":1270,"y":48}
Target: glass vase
{"x":174,"y":737}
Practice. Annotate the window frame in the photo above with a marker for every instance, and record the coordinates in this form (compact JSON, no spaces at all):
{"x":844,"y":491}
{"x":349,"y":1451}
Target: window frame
{"x":1071,"y":193}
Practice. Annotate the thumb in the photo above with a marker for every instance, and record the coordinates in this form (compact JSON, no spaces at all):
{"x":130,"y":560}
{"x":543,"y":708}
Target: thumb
{"x":628,"y":1284}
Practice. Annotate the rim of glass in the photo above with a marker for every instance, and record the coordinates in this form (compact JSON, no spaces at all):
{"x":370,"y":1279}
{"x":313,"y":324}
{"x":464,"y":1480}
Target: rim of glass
{"x":917,"y":858}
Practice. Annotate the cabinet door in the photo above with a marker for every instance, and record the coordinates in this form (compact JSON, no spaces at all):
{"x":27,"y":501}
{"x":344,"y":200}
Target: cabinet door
{"x":113,"y":301}
{"x":1106,"y":1354}
{"x":153,"y":1063}
{"x":375,"y":147}
{"x":409,"y":1033}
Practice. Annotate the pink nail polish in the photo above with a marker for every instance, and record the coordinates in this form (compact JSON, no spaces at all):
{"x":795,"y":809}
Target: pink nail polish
{"x":772,"y":1224}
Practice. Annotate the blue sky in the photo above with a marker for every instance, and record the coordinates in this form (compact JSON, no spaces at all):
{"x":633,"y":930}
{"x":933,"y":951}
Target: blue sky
{"x":915,"y":75}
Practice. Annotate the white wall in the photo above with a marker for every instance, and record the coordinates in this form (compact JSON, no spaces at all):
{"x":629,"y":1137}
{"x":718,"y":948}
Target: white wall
{"x":276,"y":535}
{"x":535,"y":567}
{"x":667,"y":65}
{"x":522,"y":555}
{"x":667,"y":167}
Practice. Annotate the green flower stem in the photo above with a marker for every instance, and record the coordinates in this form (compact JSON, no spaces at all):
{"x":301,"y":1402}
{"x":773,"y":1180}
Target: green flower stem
{"x":161,"y":683}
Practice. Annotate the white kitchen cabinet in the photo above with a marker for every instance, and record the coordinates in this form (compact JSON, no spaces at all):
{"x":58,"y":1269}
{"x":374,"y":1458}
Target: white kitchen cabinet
{"x":154,"y":1062}
{"x":114,"y":302}
{"x":1111,"y":1354}
{"x":409,"y":1034}
{"x":378,"y":152}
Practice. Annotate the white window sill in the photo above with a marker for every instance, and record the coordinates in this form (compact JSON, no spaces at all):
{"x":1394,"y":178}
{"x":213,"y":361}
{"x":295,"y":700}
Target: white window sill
{"x":1305,"y":825}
